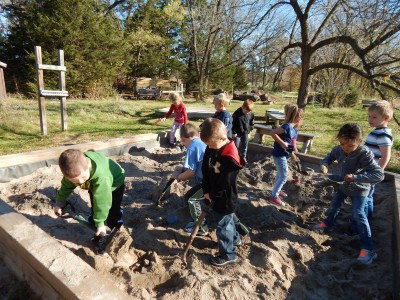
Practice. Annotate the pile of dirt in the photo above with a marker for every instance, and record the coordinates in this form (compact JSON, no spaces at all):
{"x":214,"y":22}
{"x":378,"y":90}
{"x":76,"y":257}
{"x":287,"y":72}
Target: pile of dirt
{"x":280,"y":259}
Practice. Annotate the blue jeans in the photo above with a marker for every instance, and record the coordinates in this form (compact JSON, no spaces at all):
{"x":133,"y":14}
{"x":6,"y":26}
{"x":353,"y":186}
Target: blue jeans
{"x":242,"y":143}
{"x":369,"y":207}
{"x":226,"y":235}
{"x":358,"y":216}
{"x":281,"y":174}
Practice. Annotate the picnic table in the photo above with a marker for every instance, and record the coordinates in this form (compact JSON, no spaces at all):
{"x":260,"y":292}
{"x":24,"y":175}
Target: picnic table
{"x":275,"y":116}
{"x":305,"y":138}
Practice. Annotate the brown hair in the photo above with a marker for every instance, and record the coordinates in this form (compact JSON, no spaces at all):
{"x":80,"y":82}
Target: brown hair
{"x":248,"y":105}
{"x":293,"y":113}
{"x":72,"y":162}
{"x":221,"y":98}
{"x":188,"y":130}
{"x":351,"y":132}
{"x":212,"y":130}
{"x":383,"y":107}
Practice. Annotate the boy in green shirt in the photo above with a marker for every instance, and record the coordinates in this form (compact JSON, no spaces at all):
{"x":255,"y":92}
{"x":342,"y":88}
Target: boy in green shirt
{"x":104,"y":180}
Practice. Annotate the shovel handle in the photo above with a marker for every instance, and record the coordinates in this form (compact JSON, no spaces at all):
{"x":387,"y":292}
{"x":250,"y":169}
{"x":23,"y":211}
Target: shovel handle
{"x":194,"y":232}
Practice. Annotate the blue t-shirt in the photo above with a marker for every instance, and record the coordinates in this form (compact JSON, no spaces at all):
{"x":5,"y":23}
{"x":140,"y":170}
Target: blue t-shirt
{"x":194,"y":158}
{"x":287,"y":137}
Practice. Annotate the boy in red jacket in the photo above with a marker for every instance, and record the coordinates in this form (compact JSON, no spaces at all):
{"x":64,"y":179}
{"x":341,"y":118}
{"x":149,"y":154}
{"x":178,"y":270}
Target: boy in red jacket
{"x":221,"y":165}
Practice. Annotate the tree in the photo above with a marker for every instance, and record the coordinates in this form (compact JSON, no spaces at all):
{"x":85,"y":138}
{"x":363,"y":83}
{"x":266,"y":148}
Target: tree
{"x":221,"y":34}
{"x":367,"y":29}
{"x":92,"y":42}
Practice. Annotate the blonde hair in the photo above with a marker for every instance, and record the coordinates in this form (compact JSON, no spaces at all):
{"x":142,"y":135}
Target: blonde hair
{"x":383,"y":107}
{"x":292,"y":113}
{"x":212,"y":130}
{"x":175,"y":97}
{"x":222,"y":99}
{"x":72,"y":162}
{"x":248,"y":105}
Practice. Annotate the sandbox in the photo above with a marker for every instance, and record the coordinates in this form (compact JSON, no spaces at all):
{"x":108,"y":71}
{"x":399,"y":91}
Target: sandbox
{"x":280,"y":259}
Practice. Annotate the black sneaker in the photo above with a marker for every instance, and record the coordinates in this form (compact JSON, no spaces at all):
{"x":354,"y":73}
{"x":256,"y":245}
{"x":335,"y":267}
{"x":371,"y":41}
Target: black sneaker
{"x":220,"y":261}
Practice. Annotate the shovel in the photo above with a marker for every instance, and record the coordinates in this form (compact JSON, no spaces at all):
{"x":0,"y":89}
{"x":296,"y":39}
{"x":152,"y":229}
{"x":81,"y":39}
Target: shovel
{"x":194,"y":232}
{"x":101,"y":240}
{"x":336,"y":179}
{"x":159,"y":196}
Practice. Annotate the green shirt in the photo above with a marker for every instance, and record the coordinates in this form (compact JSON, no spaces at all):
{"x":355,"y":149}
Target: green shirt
{"x":105,"y":176}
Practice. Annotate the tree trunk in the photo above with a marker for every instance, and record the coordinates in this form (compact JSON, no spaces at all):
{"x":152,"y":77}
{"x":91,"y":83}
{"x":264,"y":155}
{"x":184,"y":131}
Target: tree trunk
{"x":305,"y":80}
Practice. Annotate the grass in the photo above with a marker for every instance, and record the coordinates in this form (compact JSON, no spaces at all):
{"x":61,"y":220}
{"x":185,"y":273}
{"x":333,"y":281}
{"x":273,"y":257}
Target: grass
{"x":92,"y":120}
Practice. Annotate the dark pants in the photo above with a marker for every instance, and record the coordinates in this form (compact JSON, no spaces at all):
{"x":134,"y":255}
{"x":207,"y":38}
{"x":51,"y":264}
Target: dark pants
{"x":114,"y":218}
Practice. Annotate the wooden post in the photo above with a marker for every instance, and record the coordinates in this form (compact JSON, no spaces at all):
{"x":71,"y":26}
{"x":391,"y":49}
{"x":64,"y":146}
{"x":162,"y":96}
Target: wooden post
{"x":61,"y":87}
{"x":3,"y":93}
{"x":40,"y":86}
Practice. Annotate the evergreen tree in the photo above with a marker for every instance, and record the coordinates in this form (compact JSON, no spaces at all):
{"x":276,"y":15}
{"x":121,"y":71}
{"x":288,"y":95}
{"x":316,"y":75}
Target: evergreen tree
{"x":92,"y":42}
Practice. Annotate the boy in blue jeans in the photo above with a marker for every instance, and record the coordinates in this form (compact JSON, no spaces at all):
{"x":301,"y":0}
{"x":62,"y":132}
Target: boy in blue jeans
{"x":359,"y":171}
{"x":379,"y":141}
{"x":221,"y":165}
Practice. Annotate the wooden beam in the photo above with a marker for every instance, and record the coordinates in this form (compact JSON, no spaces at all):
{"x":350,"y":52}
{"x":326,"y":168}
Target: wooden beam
{"x":51,"y":67}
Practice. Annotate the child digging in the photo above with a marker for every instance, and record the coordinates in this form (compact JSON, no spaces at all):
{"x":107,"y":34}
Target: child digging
{"x":221,"y":165}
{"x":179,"y":109}
{"x":359,"y":170}
{"x":283,"y":147}
{"x":104,"y":180}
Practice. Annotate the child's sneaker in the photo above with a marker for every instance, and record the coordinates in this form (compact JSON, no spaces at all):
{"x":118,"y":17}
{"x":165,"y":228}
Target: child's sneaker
{"x":203,"y":229}
{"x":320,"y":226}
{"x":276,"y":201}
{"x":220,"y":261}
{"x":282,"y":194}
{"x":367,"y":256}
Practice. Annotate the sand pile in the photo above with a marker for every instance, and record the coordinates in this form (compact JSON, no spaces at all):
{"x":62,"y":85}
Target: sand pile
{"x":280,"y":259}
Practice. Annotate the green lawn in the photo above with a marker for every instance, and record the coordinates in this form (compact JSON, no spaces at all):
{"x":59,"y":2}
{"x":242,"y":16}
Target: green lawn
{"x":91,"y":120}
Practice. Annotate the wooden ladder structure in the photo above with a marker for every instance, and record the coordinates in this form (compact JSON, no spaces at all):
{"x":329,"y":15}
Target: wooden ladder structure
{"x":61,"y":93}
{"x":3,"y":93}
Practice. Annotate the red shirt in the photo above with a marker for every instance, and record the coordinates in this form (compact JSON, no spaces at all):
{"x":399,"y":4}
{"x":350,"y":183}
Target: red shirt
{"x":180,"y":113}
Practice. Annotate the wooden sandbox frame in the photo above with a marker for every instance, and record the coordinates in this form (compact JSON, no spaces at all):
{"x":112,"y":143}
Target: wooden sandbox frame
{"x":50,"y":277}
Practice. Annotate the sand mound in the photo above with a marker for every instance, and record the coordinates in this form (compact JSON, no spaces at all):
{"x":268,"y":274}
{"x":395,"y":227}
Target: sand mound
{"x":280,"y":259}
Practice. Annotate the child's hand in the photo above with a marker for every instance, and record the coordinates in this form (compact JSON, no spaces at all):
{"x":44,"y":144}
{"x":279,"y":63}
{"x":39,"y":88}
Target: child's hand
{"x":162,"y":119}
{"x":207,"y":197}
{"x":101,"y":231}
{"x":349,"y":177}
{"x":58,"y":210}
{"x":324,"y":169}
{"x":284,"y":145}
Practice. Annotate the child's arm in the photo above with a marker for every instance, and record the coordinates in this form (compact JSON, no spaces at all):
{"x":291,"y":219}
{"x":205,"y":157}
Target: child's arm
{"x":386,"y":152}
{"x":185,"y":175}
{"x":274,"y":134}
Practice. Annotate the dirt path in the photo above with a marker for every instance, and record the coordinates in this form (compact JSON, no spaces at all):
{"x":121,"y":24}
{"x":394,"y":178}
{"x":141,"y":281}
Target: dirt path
{"x":280,"y":259}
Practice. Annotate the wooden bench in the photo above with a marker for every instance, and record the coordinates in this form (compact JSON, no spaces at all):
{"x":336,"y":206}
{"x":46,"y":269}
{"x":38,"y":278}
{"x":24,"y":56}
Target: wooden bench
{"x":305,"y":138}
{"x":368,"y":103}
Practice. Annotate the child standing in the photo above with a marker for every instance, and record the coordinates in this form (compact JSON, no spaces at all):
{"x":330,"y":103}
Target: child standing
{"x":379,"y":141}
{"x":359,"y":170}
{"x":179,"y":109}
{"x":221,"y":166}
{"x":102,"y":177}
{"x":243,"y":123}
{"x":283,"y":147}
{"x":221,"y":102}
